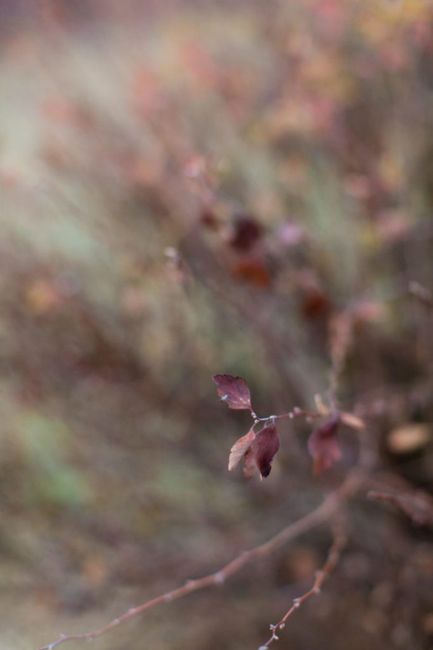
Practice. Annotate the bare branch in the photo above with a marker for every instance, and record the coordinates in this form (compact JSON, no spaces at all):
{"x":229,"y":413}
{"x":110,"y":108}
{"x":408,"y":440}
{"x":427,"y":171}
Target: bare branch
{"x":326,"y":509}
{"x":323,"y":574}
{"x":416,"y":504}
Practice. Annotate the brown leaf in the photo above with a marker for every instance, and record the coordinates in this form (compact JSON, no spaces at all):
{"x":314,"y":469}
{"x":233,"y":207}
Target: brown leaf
{"x":352,"y":421}
{"x":323,"y":444}
{"x":409,"y":438}
{"x":233,"y":391}
{"x":257,"y":450}
{"x":264,"y":447}
{"x":250,"y":467}
{"x":240,"y":448}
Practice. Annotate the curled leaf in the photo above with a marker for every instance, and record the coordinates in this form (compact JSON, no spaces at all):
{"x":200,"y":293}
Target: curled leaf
{"x":240,"y":448}
{"x":233,"y":391}
{"x":352,"y":421}
{"x":250,"y":467}
{"x":257,"y":451}
{"x":323,"y":444}
{"x":264,"y":447}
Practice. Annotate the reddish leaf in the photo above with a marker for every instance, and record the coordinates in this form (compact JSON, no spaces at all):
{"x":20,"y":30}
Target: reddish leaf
{"x":323,"y":444}
{"x":250,"y":467}
{"x":234,"y":391}
{"x":257,"y":450}
{"x":209,"y":220}
{"x":352,"y":421}
{"x":315,"y":304}
{"x":240,"y":448}
{"x":264,"y":447}
{"x":246,"y":233}
{"x":253,"y":269}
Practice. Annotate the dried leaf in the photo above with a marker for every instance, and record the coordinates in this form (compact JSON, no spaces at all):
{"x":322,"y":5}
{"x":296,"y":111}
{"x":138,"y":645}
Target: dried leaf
{"x":240,"y":448}
{"x":250,"y":467}
{"x":409,"y":438}
{"x":264,"y":447}
{"x":323,"y":444}
{"x":233,"y":391}
{"x":320,"y":405}
{"x":257,"y":450}
{"x":352,"y":421}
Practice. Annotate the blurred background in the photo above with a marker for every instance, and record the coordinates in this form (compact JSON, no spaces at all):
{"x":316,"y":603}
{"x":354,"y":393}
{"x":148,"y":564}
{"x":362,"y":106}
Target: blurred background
{"x":190,"y":188}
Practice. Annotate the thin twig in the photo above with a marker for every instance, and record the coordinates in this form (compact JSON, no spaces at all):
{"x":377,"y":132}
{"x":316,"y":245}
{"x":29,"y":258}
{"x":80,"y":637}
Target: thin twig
{"x":327,"y":508}
{"x":323,"y":574}
{"x":416,"y":504}
{"x":296,"y":412}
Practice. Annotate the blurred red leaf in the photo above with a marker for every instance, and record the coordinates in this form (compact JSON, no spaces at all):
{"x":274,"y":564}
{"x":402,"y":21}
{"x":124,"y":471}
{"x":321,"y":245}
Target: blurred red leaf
{"x":315,"y":304}
{"x":254,"y":271}
{"x":209,"y":219}
{"x":323,"y":444}
{"x":246,"y":233}
{"x":233,"y":391}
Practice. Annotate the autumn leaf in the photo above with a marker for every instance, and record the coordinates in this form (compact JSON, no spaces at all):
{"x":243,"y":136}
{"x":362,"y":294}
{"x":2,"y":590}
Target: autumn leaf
{"x":323,"y":444}
{"x":257,"y":451}
{"x":233,"y":391}
{"x":352,"y":421}
{"x":264,"y":447}
{"x":250,"y":467}
{"x":240,"y":448}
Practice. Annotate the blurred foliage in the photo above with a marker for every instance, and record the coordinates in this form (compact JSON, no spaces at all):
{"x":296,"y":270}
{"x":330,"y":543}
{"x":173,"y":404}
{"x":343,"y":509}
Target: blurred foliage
{"x":190,"y":188}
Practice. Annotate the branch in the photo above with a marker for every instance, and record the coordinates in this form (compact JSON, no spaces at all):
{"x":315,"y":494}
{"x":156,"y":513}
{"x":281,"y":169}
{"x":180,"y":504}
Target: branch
{"x":327,"y":508}
{"x":416,"y":505}
{"x":323,"y":574}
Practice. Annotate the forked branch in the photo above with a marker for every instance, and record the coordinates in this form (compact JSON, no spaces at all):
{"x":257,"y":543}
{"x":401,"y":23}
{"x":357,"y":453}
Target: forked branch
{"x":340,"y":539}
{"x":321,"y":514}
